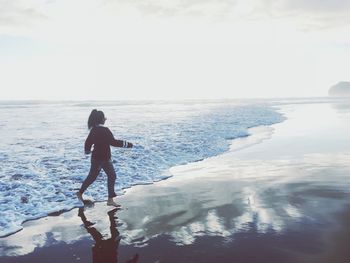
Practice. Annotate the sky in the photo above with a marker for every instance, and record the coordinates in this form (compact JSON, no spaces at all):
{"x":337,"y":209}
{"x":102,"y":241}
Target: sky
{"x":172,"y":49}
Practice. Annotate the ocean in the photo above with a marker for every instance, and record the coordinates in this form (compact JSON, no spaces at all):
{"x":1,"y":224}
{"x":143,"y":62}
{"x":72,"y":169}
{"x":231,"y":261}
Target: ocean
{"x":42,"y":147}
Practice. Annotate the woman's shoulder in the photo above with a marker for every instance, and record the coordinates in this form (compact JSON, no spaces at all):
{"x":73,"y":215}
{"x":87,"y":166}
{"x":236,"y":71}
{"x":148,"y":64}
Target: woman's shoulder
{"x":99,"y":128}
{"x":102,"y":128}
{"x":100,"y":131}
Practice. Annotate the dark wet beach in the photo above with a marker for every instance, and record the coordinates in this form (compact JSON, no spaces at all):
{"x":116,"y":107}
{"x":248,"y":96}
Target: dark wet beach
{"x":285,"y":199}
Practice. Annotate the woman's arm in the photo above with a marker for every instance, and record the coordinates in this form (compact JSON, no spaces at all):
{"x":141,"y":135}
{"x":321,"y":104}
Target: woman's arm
{"x":118,"y":143}
{"x":121,"y":143}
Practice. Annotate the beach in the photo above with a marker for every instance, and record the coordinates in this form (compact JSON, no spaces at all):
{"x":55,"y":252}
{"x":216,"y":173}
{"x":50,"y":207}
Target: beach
{"x":281,"y":194}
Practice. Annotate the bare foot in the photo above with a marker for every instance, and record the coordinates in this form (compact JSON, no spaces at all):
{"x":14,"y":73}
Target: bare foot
{"x":111,"y":202}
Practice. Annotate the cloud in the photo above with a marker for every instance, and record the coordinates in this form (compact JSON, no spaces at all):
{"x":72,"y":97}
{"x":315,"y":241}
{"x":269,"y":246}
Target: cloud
{"x":212,"y":9}
{"x":316,"y":6}
{"x":312,"y":15}
{"x":306,"y":15}
{"x":19,"y":14}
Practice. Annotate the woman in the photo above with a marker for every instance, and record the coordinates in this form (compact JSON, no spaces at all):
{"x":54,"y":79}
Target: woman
{"x":101,"y":137}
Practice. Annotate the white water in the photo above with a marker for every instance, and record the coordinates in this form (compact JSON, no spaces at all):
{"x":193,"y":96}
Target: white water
{"x":41,"y":150}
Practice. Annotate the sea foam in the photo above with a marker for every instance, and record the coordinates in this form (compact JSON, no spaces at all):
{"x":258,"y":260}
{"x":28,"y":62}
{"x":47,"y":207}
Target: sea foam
{"x":42,"y":159}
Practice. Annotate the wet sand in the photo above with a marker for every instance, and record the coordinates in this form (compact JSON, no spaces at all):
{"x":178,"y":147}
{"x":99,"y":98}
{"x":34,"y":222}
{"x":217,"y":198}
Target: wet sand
{"x":285,"y":198}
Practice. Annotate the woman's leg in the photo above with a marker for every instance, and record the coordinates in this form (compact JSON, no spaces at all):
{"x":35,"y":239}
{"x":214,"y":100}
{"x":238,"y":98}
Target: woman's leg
{"x":111,"y":177}
{"x":94,"y":171}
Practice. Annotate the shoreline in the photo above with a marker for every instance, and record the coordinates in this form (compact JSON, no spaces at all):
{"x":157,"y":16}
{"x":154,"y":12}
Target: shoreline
{"x":255,"y":135}
{"x":282,"y":200}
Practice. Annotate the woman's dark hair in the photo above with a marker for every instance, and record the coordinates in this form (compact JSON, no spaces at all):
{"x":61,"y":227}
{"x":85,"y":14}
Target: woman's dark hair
{"x":96,"y":117}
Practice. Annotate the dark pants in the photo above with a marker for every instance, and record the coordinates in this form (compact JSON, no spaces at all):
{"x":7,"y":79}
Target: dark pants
{"x":96,"y":166}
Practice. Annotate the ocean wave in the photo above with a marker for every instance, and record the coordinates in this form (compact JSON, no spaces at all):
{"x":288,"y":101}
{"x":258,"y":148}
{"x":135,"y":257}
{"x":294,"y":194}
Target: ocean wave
{"x":44,"y":165}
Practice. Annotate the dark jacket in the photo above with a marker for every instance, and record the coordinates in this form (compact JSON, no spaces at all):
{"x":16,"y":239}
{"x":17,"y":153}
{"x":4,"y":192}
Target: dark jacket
{"x":101,"y":137}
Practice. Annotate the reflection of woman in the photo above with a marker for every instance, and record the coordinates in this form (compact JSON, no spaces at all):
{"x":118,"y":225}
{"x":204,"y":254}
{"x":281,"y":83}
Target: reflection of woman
{"x":105,"y":250}
{"x":101,"y":138}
